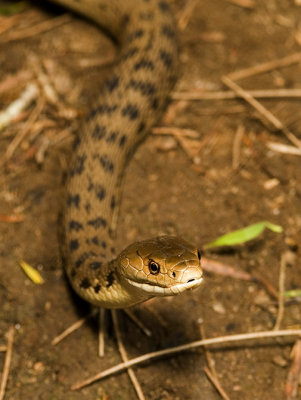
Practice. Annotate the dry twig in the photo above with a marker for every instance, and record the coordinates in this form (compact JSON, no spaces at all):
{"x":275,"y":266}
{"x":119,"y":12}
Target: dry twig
{"x":262,"y":110}
{"x":72,"y":328}
{"x":286,"y":259}
{"x":185,"y":347}
{"x":283,"y":148}
{"x":216,"y":383}
{"x":10,"y":341}
{"x":137,"y":321}
{"x":229,"y":94}
{"x":16,"y":107}
{"x":236,"y":146}
{"x":294,"y":375}
{"x":36,"y":29}
{"x":101,"y":332}
{"x":265,"y":67}
{"x":185,"y":14}
{"x":211,"y":371}
{"x":124,"y":357}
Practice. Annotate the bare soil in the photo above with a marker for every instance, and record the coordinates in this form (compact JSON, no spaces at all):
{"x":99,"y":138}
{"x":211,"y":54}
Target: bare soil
{"x":166,"y":191}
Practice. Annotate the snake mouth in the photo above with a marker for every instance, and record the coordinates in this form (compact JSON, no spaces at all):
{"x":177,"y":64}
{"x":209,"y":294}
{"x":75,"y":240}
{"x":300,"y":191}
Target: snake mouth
{"x":158,"y":290}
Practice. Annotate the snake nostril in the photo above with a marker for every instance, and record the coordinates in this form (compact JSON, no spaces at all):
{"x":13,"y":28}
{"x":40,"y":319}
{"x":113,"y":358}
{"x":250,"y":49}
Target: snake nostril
{"x":190,"y":280}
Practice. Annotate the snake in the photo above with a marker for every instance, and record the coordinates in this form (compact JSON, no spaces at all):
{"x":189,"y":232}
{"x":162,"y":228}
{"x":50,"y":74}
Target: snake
{"x":131,"y":101}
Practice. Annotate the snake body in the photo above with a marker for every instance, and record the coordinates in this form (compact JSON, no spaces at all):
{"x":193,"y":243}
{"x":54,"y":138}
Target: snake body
{"x":130,"y":103}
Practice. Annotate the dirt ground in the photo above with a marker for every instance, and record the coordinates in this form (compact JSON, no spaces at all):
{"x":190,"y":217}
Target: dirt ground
{"x":186,"y":188}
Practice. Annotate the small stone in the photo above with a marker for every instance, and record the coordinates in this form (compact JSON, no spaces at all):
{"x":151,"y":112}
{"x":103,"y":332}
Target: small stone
{"x":219,"y":308}
{"x":280,"y":361}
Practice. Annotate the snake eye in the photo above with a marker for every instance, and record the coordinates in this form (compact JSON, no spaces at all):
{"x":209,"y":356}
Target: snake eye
{"x":154,"y":267}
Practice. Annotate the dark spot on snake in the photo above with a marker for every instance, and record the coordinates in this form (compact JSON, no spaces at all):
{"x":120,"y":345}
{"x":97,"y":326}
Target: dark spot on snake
{"x":74,"y":225}
{"x":130,"y":111}
{"x":111,"y":279}
{"x":113,"y":203}
{"x":141,"y":127}
{"x":95,"y":265}
{"x":135,"y":35}
{"x":146,"y":16}
{"x":112,"y":83}
{"x":95,"y":240}
{"x":73,"y":200}
{"x":146,"y":88}
{"x":99,"y":132}
{"x":101,"y":109}
{"x":88,"y":207}
{"x":100,"y":192}
{"x":73,"y":245}
{"x":113,"y":250}
{"x":168,"y":31}
{"x":131,"y":52}
{"x":144,"y":64}
{"x":155,"y":103}
{"x":106,"y":163}
{"x":104,"y":244}
{"x":73,"y":273}
{"x":85,"y":283}
{"x":163,"y":6}
{"x":166,"y":58}
{"x":122,"y":141}
{"x":79,"y":165}
{"x":81,"y":260}
{"x":112,"y":137}
{"x":97,"y":288}
{"x":125,"y":20}
{"x":97,"y":222}
{"x":83,"y":257}
{"x":76,"y":142}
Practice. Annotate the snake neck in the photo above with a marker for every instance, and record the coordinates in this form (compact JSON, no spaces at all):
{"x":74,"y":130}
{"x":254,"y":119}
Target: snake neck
{"x":111,"y":288}
{"x":129,"y":104}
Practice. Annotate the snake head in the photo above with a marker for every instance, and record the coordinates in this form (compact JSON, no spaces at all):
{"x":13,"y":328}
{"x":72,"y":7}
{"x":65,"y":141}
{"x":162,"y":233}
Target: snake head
{"x":162,"y":266}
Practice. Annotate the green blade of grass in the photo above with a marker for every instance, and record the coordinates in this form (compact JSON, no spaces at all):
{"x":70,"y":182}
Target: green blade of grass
{"x":243,"y":235}
{"x":292,"y":293}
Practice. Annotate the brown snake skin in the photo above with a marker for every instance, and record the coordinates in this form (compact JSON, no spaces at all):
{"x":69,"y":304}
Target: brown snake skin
{"x":131,"y":102}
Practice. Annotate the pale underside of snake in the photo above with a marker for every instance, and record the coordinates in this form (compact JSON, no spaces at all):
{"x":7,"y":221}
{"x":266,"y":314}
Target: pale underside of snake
{"x":131,"y":102}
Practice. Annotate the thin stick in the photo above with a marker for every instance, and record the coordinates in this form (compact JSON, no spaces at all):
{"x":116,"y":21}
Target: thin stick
{"x":216,"y":384}
{"x":229,"y":94}
{"x":124,"y":357}
{"x":17,"y":140}
{"x":101,"y":332}
{"x":211,"y":371}
{"x":283,"y":148}
{"x":236,"y":146}
{"x":262,"y":110}
{"x":174,"y":131}
{"x":185,"y":347}
{"x":282,"y":270}
{"x":137,"y":321}
{"x":36,"y":29}
{"x":72,"y":328}
{"x":265,"y":67}
{"x":10,"y":341}
{"x":16,"y":107}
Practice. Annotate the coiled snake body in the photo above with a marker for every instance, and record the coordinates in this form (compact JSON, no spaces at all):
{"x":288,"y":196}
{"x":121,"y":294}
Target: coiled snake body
{"x":131,"y":102}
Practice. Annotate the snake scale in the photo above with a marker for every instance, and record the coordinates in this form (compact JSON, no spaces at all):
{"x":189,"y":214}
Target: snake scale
{"x":130,"y":103}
